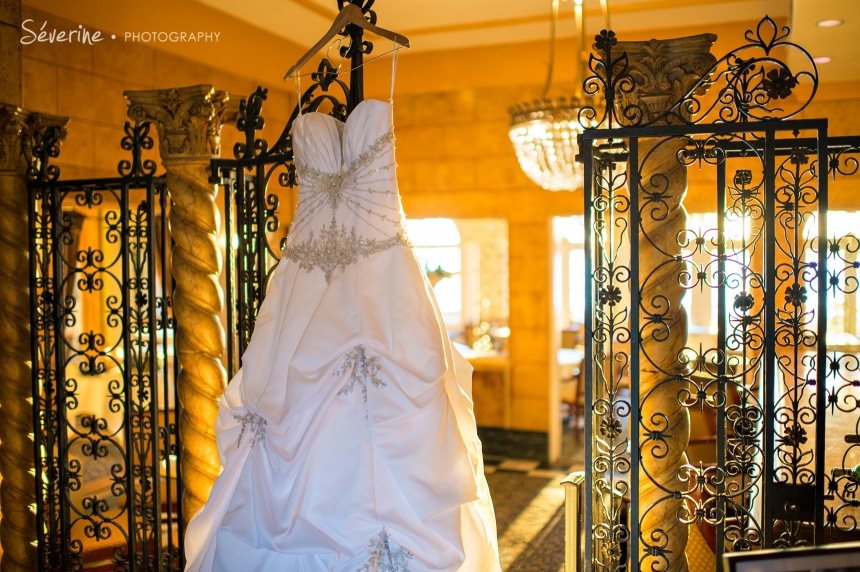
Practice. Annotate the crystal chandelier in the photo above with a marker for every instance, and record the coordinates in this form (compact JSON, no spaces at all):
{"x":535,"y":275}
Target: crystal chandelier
{"x":544,"y":137}
{"x":544,"y":132}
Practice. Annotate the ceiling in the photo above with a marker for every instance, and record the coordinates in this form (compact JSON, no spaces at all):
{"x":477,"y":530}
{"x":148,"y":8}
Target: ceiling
{"x":452,"y":24}
{"x":839,"y":44}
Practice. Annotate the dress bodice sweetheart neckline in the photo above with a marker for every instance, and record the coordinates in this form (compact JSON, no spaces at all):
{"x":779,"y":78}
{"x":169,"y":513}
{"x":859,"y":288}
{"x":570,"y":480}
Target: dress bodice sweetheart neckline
{"x":357,"y":107}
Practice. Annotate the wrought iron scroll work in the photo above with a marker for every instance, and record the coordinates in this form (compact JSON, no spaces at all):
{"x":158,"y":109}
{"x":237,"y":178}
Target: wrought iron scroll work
{"x":611,"y":338}
{"x":355,"y":51}
{"x":747,"y":84}
{"x":136,"y":140}
{"x":45,"y":146}
{"x":106,"y":483}
{"x":771,"y":380}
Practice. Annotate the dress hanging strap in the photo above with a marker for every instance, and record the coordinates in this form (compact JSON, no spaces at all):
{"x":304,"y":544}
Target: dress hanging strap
{"x":393,"y":70}
{"x":299,"y":92}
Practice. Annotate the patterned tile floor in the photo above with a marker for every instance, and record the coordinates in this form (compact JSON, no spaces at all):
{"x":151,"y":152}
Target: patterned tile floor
{"x":529,"y":504}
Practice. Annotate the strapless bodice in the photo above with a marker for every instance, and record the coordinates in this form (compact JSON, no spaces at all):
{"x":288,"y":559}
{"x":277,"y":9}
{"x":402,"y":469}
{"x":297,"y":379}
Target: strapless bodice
{"x":348,"y":204}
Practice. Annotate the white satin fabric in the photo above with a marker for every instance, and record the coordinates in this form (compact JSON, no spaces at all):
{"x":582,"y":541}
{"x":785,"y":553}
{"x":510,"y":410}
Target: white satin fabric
{"x":336,"y":474}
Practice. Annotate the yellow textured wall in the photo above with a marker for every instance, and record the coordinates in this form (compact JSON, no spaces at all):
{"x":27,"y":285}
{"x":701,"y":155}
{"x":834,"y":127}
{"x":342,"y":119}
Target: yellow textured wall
{"x":86,"y":83}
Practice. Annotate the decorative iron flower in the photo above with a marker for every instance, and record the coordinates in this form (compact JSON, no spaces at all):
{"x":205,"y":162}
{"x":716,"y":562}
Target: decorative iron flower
{"x":141,"y":299}
{"x":611,"y":295}
{"x":787,"y":206}
{"x":747,"y":195}
{"x":744,"y":302}
{"x":799,"y":156}
{"x":606,"y":39}
{"x":795,"y":435}
{"x":612,"y":550}
{"x":610,"y":427}
{"x":779,"y":83}
{"x":795,"y":295}
{"x":743,"y":177}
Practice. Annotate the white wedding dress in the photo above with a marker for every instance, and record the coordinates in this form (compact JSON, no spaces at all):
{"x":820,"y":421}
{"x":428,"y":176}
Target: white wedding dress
{"x":347,"y":440}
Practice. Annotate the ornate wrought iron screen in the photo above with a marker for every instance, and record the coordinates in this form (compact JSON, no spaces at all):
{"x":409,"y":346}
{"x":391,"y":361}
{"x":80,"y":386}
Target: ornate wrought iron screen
{"x":254,"y":230}
{"x":105,"y":405}
{"x":775,"y":377}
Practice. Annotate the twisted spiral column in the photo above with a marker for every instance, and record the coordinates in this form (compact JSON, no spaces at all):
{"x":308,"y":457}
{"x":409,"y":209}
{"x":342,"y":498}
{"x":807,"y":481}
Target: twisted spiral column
{"x":197,"y":304}
{"x":18,"y":486}
{"x":663,"y":72}
{"x":188,"y":121}
{"x":661,"y":410}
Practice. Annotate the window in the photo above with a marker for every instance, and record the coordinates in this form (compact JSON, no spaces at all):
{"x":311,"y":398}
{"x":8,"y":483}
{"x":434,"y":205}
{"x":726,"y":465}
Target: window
{"x":466,"y":261}
{"x":570,"y":235}
{"x":437,"y":246}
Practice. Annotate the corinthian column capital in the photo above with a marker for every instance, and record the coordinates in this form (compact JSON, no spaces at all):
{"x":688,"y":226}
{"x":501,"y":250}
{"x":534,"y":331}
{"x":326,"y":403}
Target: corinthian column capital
{"x":188,"y":119}
{"x":664,"y":71}
{"x":18,"y":130}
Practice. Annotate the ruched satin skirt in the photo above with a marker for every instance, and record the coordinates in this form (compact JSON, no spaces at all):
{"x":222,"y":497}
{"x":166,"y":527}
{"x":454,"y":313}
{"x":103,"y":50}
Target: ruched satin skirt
{"x":348,"y":440}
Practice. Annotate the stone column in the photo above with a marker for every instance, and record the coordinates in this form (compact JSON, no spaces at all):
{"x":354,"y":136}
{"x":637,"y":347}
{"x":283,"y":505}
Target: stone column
{"x":188,"y":121}
{"x":663,"y":71}
{"x":18,"y":487}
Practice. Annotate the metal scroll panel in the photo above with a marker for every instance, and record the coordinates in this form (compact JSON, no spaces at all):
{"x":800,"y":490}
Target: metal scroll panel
{"x":779,"y":397}
{"x":253,"y":217}
{"x":105,"y":405}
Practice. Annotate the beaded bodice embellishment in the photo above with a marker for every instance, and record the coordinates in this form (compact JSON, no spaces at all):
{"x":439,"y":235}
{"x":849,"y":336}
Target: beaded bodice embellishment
{"x":362,"y":187}
{"x":335,"y":247}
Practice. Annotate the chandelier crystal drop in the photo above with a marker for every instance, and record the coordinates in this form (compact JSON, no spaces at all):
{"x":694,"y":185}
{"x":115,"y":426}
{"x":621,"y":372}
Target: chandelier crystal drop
{"x":544,"y":135}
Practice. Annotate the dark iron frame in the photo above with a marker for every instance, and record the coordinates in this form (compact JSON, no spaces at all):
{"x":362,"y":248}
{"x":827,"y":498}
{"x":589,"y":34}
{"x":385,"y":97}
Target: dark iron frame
{"x":140,"y":449}
{"x":749,"y":122}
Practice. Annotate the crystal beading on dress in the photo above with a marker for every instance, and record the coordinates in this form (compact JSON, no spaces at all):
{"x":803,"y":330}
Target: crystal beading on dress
{"x":383,"y":558}
{"x":257,"y":425}
{"x":362,"y":368}
{"x":355,"y":187}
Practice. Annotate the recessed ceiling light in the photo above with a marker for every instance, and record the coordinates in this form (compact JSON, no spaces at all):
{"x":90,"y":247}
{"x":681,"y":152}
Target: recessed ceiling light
{"x":821,"y":60}
{"x":829,"y":23}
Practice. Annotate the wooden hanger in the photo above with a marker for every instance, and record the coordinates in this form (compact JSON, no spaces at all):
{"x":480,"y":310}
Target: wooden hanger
{"x":351,"y":14}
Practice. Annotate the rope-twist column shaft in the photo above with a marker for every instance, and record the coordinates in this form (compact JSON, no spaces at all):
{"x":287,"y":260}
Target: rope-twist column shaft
{"x":660,"y":408}
{"x":663,"y":71}
{"x":197,"y":304}
{"x":18,"y":487}
{"x":188,"y":121}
